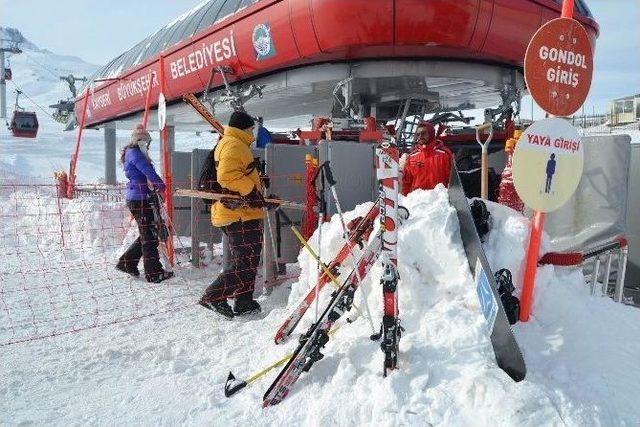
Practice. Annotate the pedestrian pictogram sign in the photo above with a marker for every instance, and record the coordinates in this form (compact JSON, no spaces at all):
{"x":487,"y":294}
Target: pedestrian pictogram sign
{"x":558,"y":66}
{"x":547,"y":164}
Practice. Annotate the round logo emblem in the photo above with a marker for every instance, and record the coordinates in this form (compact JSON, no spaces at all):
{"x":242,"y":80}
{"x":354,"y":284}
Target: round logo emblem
{"x":547,"y":164}
{"x":262,"y":42}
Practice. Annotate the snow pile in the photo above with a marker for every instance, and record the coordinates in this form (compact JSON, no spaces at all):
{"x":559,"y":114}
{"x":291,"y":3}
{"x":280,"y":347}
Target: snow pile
{"x":581,"y":352}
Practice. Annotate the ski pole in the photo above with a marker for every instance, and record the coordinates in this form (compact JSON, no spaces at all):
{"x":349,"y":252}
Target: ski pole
{"x":321,"y":214}
{"x":345,"y":234}
{"x":308,"y":247}
{"x":274,"y":248}
{"x":233,"y":385}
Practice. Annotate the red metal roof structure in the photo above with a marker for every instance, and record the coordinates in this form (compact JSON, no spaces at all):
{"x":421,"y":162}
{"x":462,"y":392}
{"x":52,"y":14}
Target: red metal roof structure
{"x":370,"y":54}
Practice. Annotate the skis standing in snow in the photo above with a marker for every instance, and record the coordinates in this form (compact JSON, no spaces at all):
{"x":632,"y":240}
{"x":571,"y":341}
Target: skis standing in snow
{"x":139,"y":170}
{"x":387,"y":173}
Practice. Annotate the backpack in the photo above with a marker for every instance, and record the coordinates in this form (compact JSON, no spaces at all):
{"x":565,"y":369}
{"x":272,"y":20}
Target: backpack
{"x":208,"y":180}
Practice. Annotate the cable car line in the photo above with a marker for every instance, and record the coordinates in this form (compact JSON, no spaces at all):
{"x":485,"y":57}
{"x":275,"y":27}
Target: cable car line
{"x":49,"y":70}
{"x":31,"y":99}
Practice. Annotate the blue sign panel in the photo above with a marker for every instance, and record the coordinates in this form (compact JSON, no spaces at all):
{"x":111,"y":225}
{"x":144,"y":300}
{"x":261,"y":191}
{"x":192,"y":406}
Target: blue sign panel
{"x":488,"y":303}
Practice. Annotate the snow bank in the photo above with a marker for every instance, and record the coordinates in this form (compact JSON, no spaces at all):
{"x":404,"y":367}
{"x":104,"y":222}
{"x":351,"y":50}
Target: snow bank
{"x":581,"y":351}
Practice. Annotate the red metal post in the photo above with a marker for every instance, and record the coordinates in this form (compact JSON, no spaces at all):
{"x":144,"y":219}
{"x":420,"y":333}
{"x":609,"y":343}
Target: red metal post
{"x":567,"y":9}
{"x":147,"y":102}
{"x":531,"y":266}
{"x":166,"y":164}
{"x":74,"y":158}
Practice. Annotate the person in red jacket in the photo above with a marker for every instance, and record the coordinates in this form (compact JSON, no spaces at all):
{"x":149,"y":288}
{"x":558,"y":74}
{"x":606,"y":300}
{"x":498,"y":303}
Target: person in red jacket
{"x":429,"y":164}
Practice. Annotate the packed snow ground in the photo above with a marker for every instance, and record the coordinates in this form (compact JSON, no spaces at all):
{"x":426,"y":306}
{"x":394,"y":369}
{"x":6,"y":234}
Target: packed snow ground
{"x":581,"y":351}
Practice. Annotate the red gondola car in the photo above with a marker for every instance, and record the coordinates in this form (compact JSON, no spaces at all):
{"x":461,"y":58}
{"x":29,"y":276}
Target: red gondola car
{"x":369,"y":53}
{"x":24,"y":124}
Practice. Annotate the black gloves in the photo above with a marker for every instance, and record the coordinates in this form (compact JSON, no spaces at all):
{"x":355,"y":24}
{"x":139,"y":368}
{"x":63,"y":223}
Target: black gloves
{"x":255,"y":199}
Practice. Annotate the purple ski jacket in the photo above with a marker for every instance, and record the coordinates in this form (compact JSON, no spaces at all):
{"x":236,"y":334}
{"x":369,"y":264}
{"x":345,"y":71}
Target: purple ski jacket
{"x":138,"y":169}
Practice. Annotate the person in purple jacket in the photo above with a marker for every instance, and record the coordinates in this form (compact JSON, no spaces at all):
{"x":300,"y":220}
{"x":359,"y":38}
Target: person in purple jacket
{"x":139,"y":170}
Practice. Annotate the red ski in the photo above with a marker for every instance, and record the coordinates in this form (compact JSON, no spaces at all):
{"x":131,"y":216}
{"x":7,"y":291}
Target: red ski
{"x":309,"y":350}
{"x":356,"y":236}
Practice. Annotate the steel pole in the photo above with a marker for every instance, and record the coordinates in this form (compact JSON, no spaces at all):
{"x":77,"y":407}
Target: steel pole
{"x":3,"y":86}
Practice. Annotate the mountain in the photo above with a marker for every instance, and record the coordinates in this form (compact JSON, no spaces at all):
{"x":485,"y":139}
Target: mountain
{"x":37,"y":73}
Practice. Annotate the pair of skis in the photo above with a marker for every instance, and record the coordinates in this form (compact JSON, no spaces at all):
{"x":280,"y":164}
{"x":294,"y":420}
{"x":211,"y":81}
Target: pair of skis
{"x":384,"y":245}
{"x":357,"y":237}
{"x":317,"y":336}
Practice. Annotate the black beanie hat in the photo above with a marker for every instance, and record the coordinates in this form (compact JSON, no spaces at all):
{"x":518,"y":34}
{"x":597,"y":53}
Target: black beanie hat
{"x":241,"y":120}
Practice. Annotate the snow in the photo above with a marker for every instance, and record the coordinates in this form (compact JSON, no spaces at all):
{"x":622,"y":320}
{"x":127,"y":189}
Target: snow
{"x":580,"y":350}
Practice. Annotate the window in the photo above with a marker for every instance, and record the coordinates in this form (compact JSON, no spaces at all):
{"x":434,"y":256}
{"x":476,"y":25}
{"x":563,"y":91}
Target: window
{"x":246,"y":3}
{"x":229,"y":8}
{"x":103,"y":71}
{"x":115,"y":68}
{"x":628,"y":106}
{"x":132,"y":55}
{"x":173,"y":34}
{"x":154,"y":44}
{"x":210,"y":15}
{"x":192,"y":26}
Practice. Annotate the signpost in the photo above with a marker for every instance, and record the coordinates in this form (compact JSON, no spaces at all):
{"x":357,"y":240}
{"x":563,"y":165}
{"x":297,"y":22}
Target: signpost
{"x":548,"y":160}
{"x":558,"y":66}
{"x":547,"y":164}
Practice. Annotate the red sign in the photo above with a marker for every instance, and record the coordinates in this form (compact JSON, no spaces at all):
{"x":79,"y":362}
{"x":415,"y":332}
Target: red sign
{"x":558,"y":66}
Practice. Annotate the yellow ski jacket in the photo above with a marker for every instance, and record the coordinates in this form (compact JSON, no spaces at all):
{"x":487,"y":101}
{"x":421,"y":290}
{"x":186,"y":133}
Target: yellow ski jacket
{"x":236,"y":172}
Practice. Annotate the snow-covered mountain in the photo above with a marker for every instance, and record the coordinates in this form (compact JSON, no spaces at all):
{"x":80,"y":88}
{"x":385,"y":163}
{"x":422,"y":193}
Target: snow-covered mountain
{"x":37,"y":73}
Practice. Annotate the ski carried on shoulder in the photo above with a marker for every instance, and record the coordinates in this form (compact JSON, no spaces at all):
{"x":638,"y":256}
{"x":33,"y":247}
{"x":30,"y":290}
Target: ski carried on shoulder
{"x":317,"y":336}
{"x":505,"y":347}
{"x":359,"y":234}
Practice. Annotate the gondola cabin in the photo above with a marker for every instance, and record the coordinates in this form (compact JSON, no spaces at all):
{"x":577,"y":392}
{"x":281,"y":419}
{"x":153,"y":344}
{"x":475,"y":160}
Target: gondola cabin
{"x":24,"y":124}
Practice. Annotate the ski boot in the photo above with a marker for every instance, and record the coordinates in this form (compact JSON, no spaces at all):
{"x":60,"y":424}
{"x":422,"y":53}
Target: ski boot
{"x":132,"y":271}
{"x":220,"y":307}
{"x":245,"y":306}
{"x":159,"y":277}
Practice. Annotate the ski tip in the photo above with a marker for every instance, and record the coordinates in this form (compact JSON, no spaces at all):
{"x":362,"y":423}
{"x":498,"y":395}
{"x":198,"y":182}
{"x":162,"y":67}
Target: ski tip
{"x":516,"y":375}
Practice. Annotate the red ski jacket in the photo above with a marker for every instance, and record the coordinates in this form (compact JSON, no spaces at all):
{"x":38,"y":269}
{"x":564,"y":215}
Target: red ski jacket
{"x":427,"y":166}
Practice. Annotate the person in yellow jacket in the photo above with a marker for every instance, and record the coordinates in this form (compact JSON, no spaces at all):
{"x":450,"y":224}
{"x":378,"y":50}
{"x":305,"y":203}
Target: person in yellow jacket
{"x":240,"y":221}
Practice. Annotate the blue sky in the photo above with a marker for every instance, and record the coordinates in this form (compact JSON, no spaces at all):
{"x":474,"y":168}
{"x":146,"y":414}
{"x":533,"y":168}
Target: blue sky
{"x":100,"y":30}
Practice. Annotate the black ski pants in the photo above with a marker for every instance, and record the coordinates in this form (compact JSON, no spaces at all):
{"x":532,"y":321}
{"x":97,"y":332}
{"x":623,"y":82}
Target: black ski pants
{"x":238,"y":278}
{"x":146,"y":245}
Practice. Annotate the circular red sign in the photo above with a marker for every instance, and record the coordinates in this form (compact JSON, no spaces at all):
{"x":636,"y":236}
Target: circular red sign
{"x":558,"y":66}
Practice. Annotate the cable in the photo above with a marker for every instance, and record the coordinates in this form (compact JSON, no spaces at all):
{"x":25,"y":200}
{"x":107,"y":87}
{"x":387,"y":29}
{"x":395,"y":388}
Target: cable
{"x":31,"y":99}
{"x":56,"y":75}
